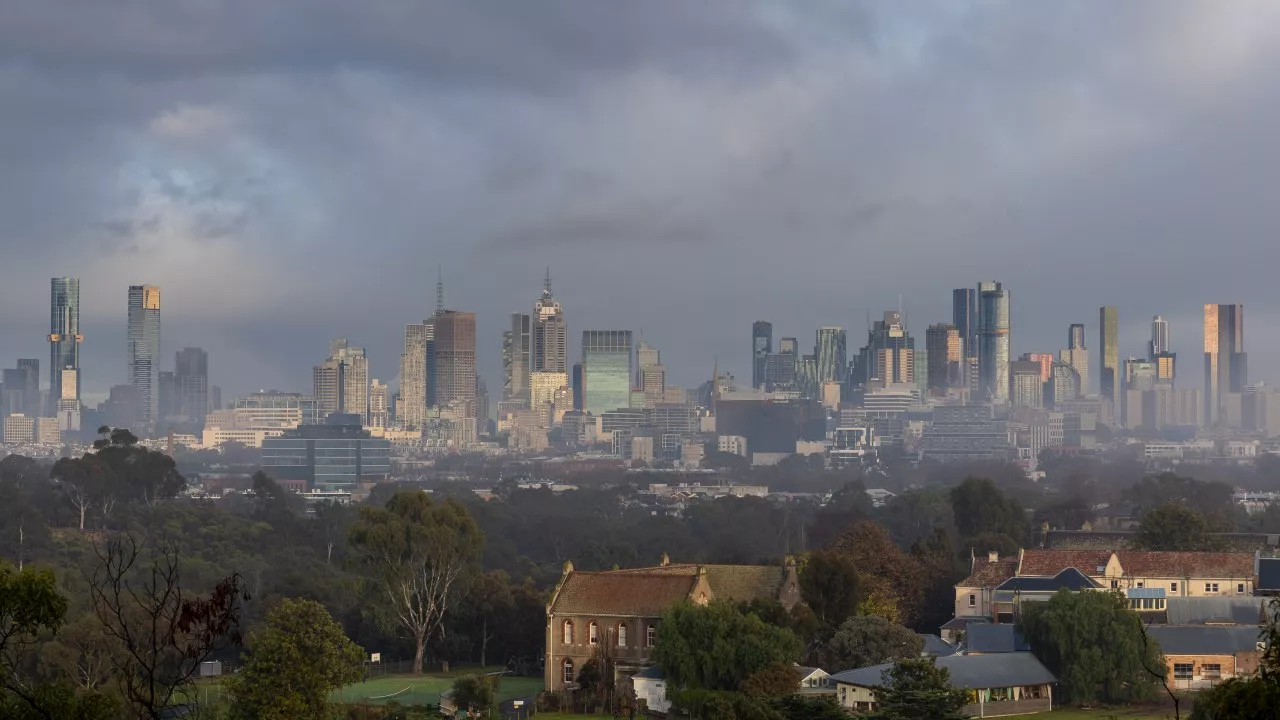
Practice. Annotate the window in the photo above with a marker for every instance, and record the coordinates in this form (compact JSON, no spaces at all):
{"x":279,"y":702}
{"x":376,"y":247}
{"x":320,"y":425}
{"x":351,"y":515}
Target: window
{"x":1159,"y":603}
{"x":1115,"y":584}
{"x":568,"y":671}
{"x":1240,"y":588}
{"x":1211,"y":587}
{"x":1213,"y":672}
{"x":568,"y":632}
{"x":1182,"y":671}
{"x":1173,"y":587}
{"x":650,"y":636}
{"x":593,"y":634}
{"x":973,"y":600}
{"x":1139,"y":583}
{"x":622,"y":634}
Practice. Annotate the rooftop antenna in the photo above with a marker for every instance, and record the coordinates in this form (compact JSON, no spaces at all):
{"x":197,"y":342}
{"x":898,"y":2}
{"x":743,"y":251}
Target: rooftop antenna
{"x":546,"y":284}
{"x":439,"y":290}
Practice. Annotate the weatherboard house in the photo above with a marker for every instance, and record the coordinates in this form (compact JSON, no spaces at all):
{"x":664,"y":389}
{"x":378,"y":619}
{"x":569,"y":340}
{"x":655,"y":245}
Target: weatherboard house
{"x":1010,"y":683}
{"x":618,"y":612}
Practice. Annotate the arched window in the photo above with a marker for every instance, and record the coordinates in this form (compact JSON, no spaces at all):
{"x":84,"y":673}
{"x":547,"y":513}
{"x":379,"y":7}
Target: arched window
{"x":650,"y":636}
{"x":593,"y":633}
{"x":568,"y":632}
{"x":622,"y":635}
{"x":568,"y":671}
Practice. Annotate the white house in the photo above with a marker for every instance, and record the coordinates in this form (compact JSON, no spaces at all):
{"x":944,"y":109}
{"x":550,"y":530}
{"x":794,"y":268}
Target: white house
{"x":652,"y":689}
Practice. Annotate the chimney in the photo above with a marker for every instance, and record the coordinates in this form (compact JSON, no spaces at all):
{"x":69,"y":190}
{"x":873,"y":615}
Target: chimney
{"x":665,"y":561}
{"x":568,"y":567}
{"x":993,"y":556}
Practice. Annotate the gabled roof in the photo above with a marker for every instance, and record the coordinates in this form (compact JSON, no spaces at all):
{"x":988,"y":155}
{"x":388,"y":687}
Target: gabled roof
{"x":972,"y":672}
{"x":1002,"y":638}
{"x":1269,"y":574}
{"x":1048,"y":563}
{"x":1069,"y":579}
{"x":621,"y":594}
{"x":989,"y":574}
{"x":1186,"y":564}
{"x":1205,"y":639}
{"x":1214,"y":610}
{"x":960,"y":622}
{"x":936,"y":646}
{"x":734,"y":583}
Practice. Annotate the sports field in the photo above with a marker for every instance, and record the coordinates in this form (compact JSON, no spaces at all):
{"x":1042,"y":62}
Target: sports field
{"x":425,"y":689}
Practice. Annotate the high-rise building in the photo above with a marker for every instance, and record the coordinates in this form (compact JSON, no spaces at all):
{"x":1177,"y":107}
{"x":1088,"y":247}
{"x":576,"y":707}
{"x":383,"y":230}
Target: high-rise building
{"x":606,"y":370}
{"x":455,"y":359}
{"x":378,"y":404}
{"x":412,"y":407}
{"x":889,"y":355}
{"x":191,"y":384}
{"x":1076,"y":354}
{"x":550,"y":337}
{"x":652,"y":374}
{"x":964,"y":315}
{"x":1166,"y":367}
{"x":1026,"y":388}
{"x":780,"y":367}
{"x":144,"y":352}
{"x":993,"y":342}
{"x":341,"y":383}
{"x":516,"y":347}
{"x":1159,"y":337}
{"x":20,"y":389}
{"x":831,"y":353}
{"x":946,"y":353}
{"x":1226,"y":368}
{"x":1109,"y":355}
{"x":1064,"y":384}
{"x":64,"y":336}
{"x":761,"y":347}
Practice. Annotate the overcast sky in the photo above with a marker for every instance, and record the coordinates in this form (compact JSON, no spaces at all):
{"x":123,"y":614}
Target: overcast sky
{"x":292,"y":170}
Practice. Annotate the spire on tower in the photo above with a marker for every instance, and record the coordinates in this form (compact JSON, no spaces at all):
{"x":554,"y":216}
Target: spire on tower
{"x":546,"y":284}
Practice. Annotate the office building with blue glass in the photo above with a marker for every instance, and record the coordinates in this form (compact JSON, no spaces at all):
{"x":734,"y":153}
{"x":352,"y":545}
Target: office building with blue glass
{"x":327,"y":457}
{"x":606,"y":370}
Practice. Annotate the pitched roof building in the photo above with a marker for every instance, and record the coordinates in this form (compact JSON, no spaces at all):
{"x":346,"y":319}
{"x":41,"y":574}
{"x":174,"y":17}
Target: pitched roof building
{"x":619,"y":611}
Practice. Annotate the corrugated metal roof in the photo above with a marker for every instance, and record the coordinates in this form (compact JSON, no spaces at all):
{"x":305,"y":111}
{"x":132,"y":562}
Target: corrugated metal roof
{"x":1201,"y":610}
{"x":968,"y":671}
{"x":1268,"y":574}
{"x":994,"y":639}
{"x":1205,"y":639}
{"x":936,"y":646}
{"x":1070,"y":579}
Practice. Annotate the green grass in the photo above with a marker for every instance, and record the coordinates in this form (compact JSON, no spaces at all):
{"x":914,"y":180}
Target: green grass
{"x":568,"y":716}
{"x":426,"y":689}
{"x":1105,"y":713}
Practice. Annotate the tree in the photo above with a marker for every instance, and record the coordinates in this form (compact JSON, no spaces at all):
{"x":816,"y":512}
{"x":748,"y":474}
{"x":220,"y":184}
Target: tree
{"x":829,"y":586}
{"x":162,"y":631}
{"x":294,"y":663}
{"x":141,"y":474}
{"x":81,"y":652}
{"x":917,"y":689}
{"x":473,"y":693}
{"x":981,"y":509}
{"x":1094,"y":644}
{"x":772,"y":681}
{"x":86,"y":482}
{"x":891,"y":581}
{"x":416,"y":550}
{"x":869,"y":640}
{"x":1174,"y":527}
{"x":716,"y":647}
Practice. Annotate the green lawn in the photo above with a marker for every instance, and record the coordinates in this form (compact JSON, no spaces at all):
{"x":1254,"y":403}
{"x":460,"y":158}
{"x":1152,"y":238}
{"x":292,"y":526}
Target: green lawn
{"x":426,"y":689}
{"x":1108,"y":713}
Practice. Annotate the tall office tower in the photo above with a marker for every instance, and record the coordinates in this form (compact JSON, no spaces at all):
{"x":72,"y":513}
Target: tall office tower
{"x":1226,"y":368}
{"x":341,"y":383}
{"x":412,"y":407}
{"x":887,"y":354}
{"x":144,"y":352}
{"x":761,"y":347}
{"x":1076,"y":354}
{"x":993,"y":342}
{"x":482,"y":406}
{"x":550,"y":349}
{"x":1166,"y":367}
{"x":606,"y":370}
{"x":20,"y":389}
{"x":831,"y":353}
{"x":964,"y":315}
{"x":780,"y":367}
{"x":946,"y":353}
{"x":1109,"y":355}
{"x":574,"y":386}
{"x":378,"y":404}
{"x":516,"y":346}
{"x":455,"y":359}
{"x":1045,"y":360}
{"x":1026,"y":388}
{"x":653,"y":376}
{"x":215,"y":397}
{"x":1064,"y":384}
{"x":30,"y":367}
{"x":1159,"y":338}
{"x":191,"y":384}
{"x":64,"y":336}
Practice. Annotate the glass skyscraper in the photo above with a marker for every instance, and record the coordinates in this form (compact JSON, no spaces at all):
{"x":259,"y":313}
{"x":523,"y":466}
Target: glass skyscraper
{"x":761,"y":347}
{"x":144,"y":351}
{"x":993,"y":342}
{"x":831,"y":354}
{"x":606,"y":370}
{"x":1109,"y":354}
{"x":191,"y":384}
{"x":64,"y":336}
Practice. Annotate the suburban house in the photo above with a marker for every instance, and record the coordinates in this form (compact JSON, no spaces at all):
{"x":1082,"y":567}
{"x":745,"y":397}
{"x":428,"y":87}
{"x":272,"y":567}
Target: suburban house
{"x":618,"y":612}
{"x":815,"y":681}
{"x":1008,"y":595}
{"x":1203,"y":656}
{"x":999,"y":684}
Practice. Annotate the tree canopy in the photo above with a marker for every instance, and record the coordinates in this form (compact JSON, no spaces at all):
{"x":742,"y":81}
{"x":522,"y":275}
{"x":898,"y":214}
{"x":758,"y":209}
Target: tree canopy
{"x":1174,"y":527}
{"x":829,"y":586}
{"x":981,"y":510}
{"x":717,"y":647}
{"x":917,"y":689}
{"x":869,"y":640}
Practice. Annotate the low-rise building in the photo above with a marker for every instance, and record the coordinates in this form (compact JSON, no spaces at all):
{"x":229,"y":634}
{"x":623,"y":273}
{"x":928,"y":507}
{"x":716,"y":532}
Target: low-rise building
{"x":1202,"y":656}
{"x":1010,"y":683}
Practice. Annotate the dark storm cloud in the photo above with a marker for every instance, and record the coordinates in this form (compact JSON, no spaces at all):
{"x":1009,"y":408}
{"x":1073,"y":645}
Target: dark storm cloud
{"x":292,"y":170}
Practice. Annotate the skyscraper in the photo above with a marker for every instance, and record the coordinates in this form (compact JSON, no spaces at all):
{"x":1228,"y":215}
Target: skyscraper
{"x":1109,"y":355}
{"x":550,"y":349}
{"x":64,"y":337}
{"x":1076,"y":354}
{"x":964,"y":315}
{"x":191,"y":384}
{"x":1226,"y":368}
{"x":1159,"y":338}
{"x":378,"y":404}
{"x":889,"y":355}
{"x":606,"y":370}
{"x":1026,"y":386}
{"x":831,"y":353}
{"x":652,"y":374}
{"x":761,"y":346}
{"x":455,"y":359}
{"x":516,"y":346}
{"x":993,"y":342}
{"x":144,"y":352}
{"x":412,"y":406}
{"x":945,"y":354}
{"x":341,"y":383}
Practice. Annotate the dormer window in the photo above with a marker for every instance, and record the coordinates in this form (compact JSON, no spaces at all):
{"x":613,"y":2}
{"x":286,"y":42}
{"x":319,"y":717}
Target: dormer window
{"x":568,"y":632}
{"x":593,"y":633}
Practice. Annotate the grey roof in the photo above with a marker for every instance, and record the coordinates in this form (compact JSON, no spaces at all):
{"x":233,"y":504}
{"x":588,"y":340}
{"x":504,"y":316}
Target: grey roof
{"x":972,"y":672}
{"x":653,"y":672}
{"x":936,"y":646}
{"x":1201,"y":610}
{"x":994,"y":639}
{"x":1268,"y":574}
{"x":960,"y":622}
{"x":1069,"y":579}
{"x":1205,"y":639}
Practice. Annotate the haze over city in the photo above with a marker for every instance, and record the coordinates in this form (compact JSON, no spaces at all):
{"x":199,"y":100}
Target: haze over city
{"x":683,"y":168}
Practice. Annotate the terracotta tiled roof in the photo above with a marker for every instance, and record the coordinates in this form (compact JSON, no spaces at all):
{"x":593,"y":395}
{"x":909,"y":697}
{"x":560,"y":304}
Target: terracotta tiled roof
{"x":990,"y":574}
{"x":621,"y":593}
{"x":1186,"y":564}
{"x":734,"y":583}
{"x":1048,"y":563}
